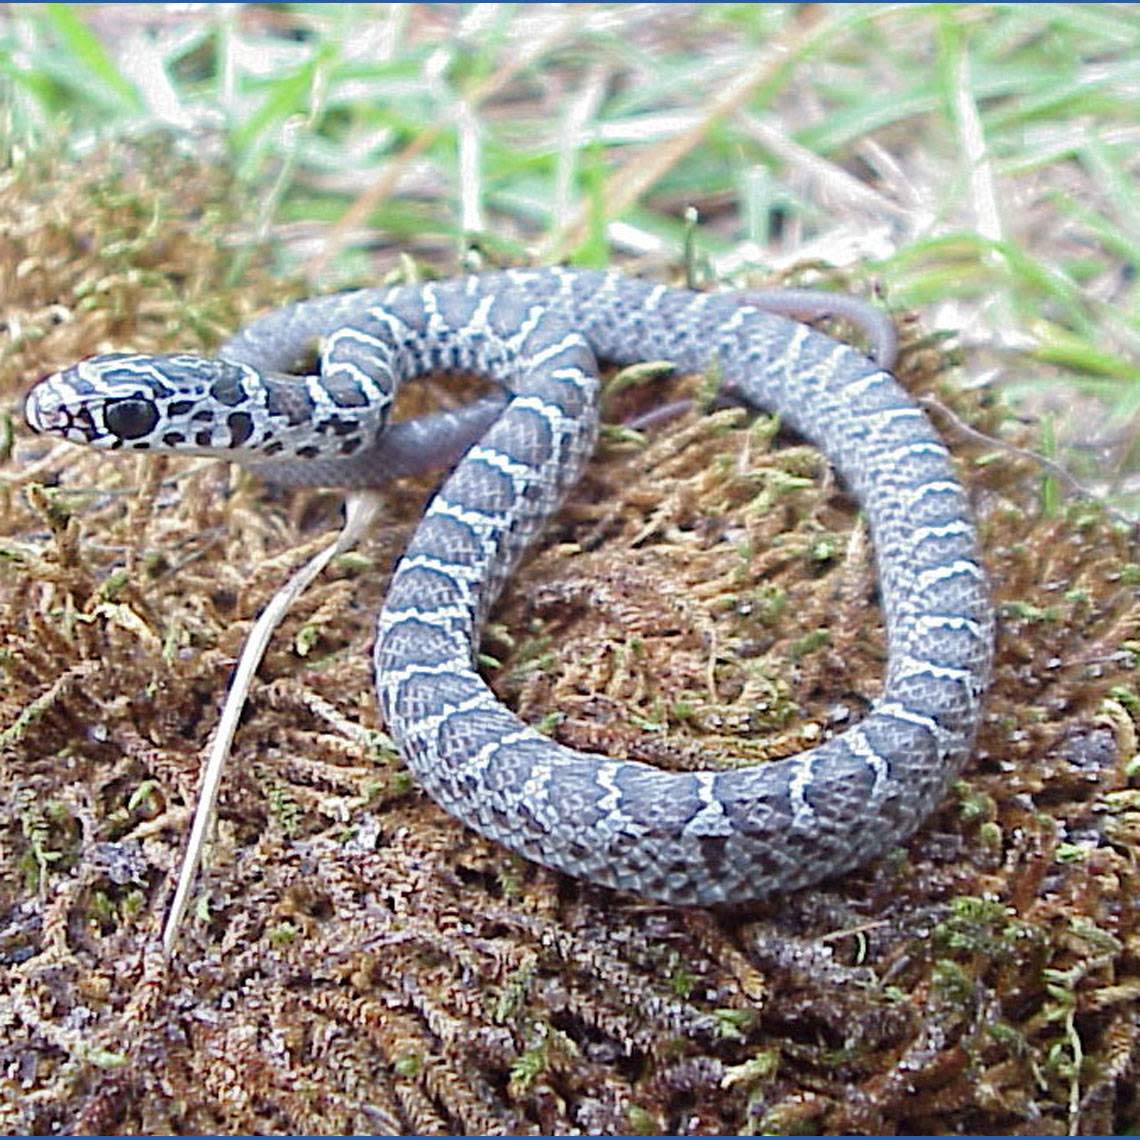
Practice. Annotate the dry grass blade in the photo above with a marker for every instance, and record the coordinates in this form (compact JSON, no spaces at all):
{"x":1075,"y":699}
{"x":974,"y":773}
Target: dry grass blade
{"x":361,"y":511}
{"x":357,"y":214}
{"x":639,"y":174}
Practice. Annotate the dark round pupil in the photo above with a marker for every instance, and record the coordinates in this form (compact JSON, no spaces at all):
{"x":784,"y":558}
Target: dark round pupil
{"x":131,"y":418}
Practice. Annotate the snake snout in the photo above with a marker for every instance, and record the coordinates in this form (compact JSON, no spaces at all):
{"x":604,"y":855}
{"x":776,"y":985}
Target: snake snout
{"x":43,"y":408}
{"x":53,"y":408}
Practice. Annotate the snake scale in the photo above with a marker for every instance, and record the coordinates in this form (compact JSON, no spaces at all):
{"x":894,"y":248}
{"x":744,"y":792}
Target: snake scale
{"x":695,"y":837}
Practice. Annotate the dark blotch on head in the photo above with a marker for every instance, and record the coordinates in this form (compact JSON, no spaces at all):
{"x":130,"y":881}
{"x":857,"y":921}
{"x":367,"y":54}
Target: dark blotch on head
{"x":241,"y":427}
{"x":351,"y":445}
{"x":337,"y":425}
{"x":173,"y":439}
{"x":131,"y":375}
{"x":180,"y":407}
{"x":130,"y":418}
{"x":288,"y":401}
{"x":82,"y":386}
{"x":204,"y":438}
{"x":203,"y":416}
{"x":273,"y":448}
{"x":227,"y":389}
{"x":308,"y":451}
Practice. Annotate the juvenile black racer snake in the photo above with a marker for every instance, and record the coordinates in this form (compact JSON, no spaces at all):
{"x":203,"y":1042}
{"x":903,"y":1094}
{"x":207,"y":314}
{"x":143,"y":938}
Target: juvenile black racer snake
{"x":699,"y":837}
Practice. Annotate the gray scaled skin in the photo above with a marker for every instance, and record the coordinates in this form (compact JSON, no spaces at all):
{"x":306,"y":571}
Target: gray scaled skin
{"x":695,"y":837}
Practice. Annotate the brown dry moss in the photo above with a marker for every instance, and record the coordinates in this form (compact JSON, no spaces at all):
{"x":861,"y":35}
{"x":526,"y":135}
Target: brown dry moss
{"x":359,"y":961}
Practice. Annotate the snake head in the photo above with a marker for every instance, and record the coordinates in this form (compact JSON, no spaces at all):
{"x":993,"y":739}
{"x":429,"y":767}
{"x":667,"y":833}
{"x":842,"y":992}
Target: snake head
{"x":124,"y":400}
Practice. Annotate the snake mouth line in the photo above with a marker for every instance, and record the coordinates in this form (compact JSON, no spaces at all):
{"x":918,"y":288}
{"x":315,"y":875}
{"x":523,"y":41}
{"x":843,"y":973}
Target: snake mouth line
{"x":47,"y":411}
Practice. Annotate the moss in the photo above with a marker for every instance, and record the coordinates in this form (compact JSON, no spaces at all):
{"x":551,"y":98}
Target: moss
{"x":359,"y":961}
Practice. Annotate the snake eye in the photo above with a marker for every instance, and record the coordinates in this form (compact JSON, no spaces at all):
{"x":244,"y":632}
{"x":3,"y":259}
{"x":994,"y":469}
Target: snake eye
{"x":130,"y":418}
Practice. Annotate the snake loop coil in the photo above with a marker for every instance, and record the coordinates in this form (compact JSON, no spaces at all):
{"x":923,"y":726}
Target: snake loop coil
{"x":696,"y":837}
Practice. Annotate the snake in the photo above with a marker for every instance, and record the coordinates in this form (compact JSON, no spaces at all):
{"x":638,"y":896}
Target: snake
{"x":702,"y":837}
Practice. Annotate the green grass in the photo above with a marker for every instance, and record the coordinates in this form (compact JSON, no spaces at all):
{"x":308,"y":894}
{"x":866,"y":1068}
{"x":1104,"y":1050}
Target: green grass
{"x":976,"y":162}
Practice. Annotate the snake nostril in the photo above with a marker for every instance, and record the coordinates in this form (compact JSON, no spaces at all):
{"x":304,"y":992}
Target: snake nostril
{"x":130,"y":418}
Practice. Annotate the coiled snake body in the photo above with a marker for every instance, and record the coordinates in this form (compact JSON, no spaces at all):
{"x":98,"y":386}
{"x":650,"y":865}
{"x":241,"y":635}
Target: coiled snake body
{"x":699,"y":837}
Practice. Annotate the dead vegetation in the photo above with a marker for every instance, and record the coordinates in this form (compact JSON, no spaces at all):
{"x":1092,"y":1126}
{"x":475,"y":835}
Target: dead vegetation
{"x":358,"y":961}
